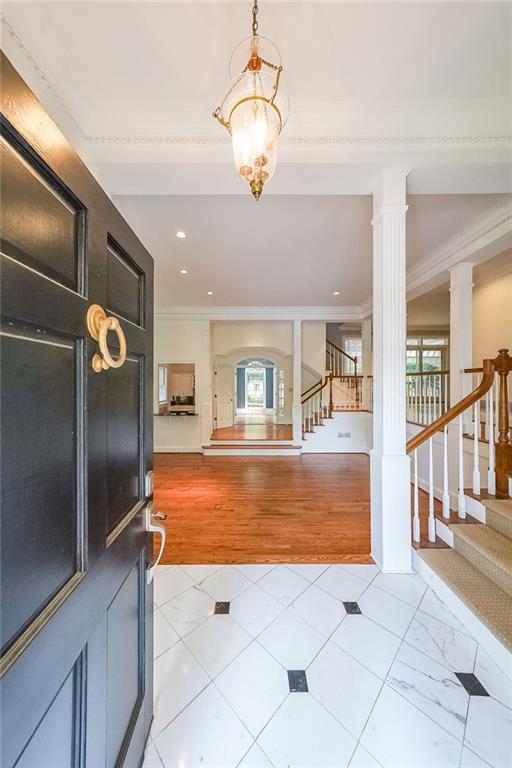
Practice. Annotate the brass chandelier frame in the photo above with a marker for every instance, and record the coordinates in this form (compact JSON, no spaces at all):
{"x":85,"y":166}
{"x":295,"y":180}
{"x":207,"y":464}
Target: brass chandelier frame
{"x":254,"y":64}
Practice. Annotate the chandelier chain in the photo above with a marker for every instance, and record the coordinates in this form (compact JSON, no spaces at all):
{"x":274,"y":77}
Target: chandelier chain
{"x":254,"y":19}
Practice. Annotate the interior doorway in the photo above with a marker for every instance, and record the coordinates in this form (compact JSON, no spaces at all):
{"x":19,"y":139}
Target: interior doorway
{"x":255,"y":388}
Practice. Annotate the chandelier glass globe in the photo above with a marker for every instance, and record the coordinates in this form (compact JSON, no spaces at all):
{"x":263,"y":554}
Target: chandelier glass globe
{"x":255,"y":109}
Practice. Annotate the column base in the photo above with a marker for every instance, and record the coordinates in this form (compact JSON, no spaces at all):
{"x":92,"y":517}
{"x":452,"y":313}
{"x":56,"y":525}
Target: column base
{"x":391,"y":512}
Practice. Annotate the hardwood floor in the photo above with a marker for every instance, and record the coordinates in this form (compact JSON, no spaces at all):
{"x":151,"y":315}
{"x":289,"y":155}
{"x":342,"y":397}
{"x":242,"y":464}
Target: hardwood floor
{"x":313,"y":508}
{"x":254,"y":432}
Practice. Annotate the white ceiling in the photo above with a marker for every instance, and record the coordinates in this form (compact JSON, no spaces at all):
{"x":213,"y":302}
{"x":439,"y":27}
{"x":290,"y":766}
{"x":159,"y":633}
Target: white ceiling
{"x":284,"y":250}
{"x":143,"y":67}
{"x":423,"y":85}
{"x":427,"y":85}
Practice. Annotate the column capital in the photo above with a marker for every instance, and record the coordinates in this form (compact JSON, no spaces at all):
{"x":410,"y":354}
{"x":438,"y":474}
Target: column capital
{"x":391,"y":191}
{"x":461,"y":274}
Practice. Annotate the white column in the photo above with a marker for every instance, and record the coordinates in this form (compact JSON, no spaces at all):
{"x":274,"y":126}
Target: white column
{"x":297,"y":382}
{"x":366,"y":362}
{"x":461,"y":356}
{"x":389,"y":463}
{"x":461,"y":330}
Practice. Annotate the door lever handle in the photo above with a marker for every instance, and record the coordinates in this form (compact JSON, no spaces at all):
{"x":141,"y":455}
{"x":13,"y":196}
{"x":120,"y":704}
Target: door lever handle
{"x":152,"y":527}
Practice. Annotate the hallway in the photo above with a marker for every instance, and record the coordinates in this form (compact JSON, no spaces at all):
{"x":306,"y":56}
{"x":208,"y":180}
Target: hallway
{"x":309,"y":509}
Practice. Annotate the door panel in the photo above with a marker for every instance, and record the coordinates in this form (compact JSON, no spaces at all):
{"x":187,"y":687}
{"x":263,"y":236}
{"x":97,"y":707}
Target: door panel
{"x":53,"y":242}
{"x":125,"y":285}
{"x":39,"y":453}
{"x":124,"y":674}
{"x":224,"y":395}
{"x":52,"y":744}
{"x":76,"y":663}
{"x":124,"y":428}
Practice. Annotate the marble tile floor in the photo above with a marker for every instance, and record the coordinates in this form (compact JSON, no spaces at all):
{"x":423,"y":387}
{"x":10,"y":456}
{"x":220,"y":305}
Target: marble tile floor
{"x":261,"y":666}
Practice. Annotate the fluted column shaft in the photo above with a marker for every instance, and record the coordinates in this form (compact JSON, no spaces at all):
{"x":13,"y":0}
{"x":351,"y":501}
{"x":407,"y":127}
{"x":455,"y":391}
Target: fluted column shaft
{"x":390,"y":466}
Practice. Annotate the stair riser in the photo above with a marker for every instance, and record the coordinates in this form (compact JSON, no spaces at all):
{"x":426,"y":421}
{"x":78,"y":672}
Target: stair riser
{"x":500,"y":577}
{"x":500,"y":523}
{"x":253,"y":452}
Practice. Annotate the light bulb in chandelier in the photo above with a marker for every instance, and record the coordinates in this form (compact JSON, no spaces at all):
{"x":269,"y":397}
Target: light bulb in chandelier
{"x":254,"y":109}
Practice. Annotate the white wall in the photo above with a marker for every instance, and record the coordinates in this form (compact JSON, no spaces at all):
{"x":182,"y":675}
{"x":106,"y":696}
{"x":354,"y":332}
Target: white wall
{"x":326,"y":439}
{"x":313,"y":346}
{"x":228,"y":336}
{"x":183,"y":341}
{"x":492,"y":318}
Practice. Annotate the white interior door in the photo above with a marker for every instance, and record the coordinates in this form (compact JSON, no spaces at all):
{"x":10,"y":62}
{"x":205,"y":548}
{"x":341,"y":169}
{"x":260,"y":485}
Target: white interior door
{"x":224,"y":395}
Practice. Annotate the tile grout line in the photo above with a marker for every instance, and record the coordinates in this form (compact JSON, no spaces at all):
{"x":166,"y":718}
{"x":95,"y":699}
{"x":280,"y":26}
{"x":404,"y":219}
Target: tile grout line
{"x":378,"y":696}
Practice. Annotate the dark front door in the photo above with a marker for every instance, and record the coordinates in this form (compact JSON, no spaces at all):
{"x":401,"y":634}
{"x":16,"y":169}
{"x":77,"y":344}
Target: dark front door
{"x":76,"y":442}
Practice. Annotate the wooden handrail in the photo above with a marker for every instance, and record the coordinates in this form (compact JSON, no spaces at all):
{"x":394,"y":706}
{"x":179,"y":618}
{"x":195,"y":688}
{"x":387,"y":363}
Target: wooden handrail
{"x":452,"y":413}
{"x":354,"y":359}
{"x":473,"y":370}
{"x":311,"y":387}
{"x":320,"y":385}
{"x":428,"y":373}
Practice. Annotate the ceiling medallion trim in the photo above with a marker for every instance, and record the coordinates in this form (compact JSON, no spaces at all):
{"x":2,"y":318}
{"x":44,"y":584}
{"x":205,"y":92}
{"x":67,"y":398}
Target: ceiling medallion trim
{"x":309,"y":140}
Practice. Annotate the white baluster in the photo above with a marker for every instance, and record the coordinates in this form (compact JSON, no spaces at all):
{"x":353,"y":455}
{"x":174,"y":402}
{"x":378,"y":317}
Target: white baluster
{"x":476,"y":457}
{"x":461,"y":500}
{"x":431,"y":518}
{"x":491,"y":472}
{"x":445,"y":406}
{"x":416,"y":501}
{"x":446,"y":492}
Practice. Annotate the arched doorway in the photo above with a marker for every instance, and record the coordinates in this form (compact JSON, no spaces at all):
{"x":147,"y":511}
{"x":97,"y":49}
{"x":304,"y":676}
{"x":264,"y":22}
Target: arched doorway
{"x":256,"y":391}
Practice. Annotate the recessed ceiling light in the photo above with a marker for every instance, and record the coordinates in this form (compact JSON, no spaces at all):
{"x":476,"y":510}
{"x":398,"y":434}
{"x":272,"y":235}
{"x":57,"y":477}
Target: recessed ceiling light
{"x":210,"y":293}
{"x":184,"y":271}
{"x":180,"y":234}
{"x":335,"y":293}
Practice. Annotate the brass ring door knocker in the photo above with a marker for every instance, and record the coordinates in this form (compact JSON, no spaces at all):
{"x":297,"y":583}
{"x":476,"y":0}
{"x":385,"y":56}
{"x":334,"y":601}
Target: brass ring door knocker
{"x":99,"y":325}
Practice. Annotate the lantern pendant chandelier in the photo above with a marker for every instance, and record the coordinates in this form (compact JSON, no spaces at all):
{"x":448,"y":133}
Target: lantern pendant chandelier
{"x":255,"y":108}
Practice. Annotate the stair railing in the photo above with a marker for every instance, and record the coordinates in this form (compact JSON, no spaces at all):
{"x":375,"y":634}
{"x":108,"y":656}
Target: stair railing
{"x":336,"y":360}
{"x":499,"y":463}
{"x":427,"y":395}
{"x":314,"y":407}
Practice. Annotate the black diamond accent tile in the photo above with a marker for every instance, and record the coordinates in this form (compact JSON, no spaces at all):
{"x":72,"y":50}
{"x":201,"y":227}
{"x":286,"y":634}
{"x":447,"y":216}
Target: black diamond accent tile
{"x":221,"y":608}
{"x":352,"y":608}
{"x":471,"y":683}
{"x":297,"y":681}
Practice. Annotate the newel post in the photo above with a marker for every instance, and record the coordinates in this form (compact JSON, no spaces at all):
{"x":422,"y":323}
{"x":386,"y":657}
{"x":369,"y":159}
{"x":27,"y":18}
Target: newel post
{"x":503,"y":366}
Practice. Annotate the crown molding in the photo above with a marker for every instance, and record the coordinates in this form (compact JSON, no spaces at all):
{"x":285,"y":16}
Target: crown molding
{"x":347,"y":140}
{"x":30,"y":69}
{"x":495,"y":225}
{"x":324,"y":314}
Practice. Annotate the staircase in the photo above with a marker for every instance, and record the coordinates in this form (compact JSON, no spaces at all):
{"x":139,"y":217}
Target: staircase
{"x":469,"y":551}
{"x":337,"y":391}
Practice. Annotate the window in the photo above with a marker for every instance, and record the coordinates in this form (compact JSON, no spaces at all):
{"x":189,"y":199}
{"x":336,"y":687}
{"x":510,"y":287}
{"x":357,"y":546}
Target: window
{"x":255,"y":387}
{"x":428,"y":353}
{"x":353,"y":346}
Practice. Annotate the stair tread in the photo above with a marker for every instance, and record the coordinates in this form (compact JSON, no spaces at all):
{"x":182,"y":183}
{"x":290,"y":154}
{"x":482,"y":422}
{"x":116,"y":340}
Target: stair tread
{"x":492,"y":605}
{"x":501,"y":507}
{"x":489,"y":543}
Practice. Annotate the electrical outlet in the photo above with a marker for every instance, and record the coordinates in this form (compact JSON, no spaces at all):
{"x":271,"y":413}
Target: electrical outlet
{"x":344,"y":434}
